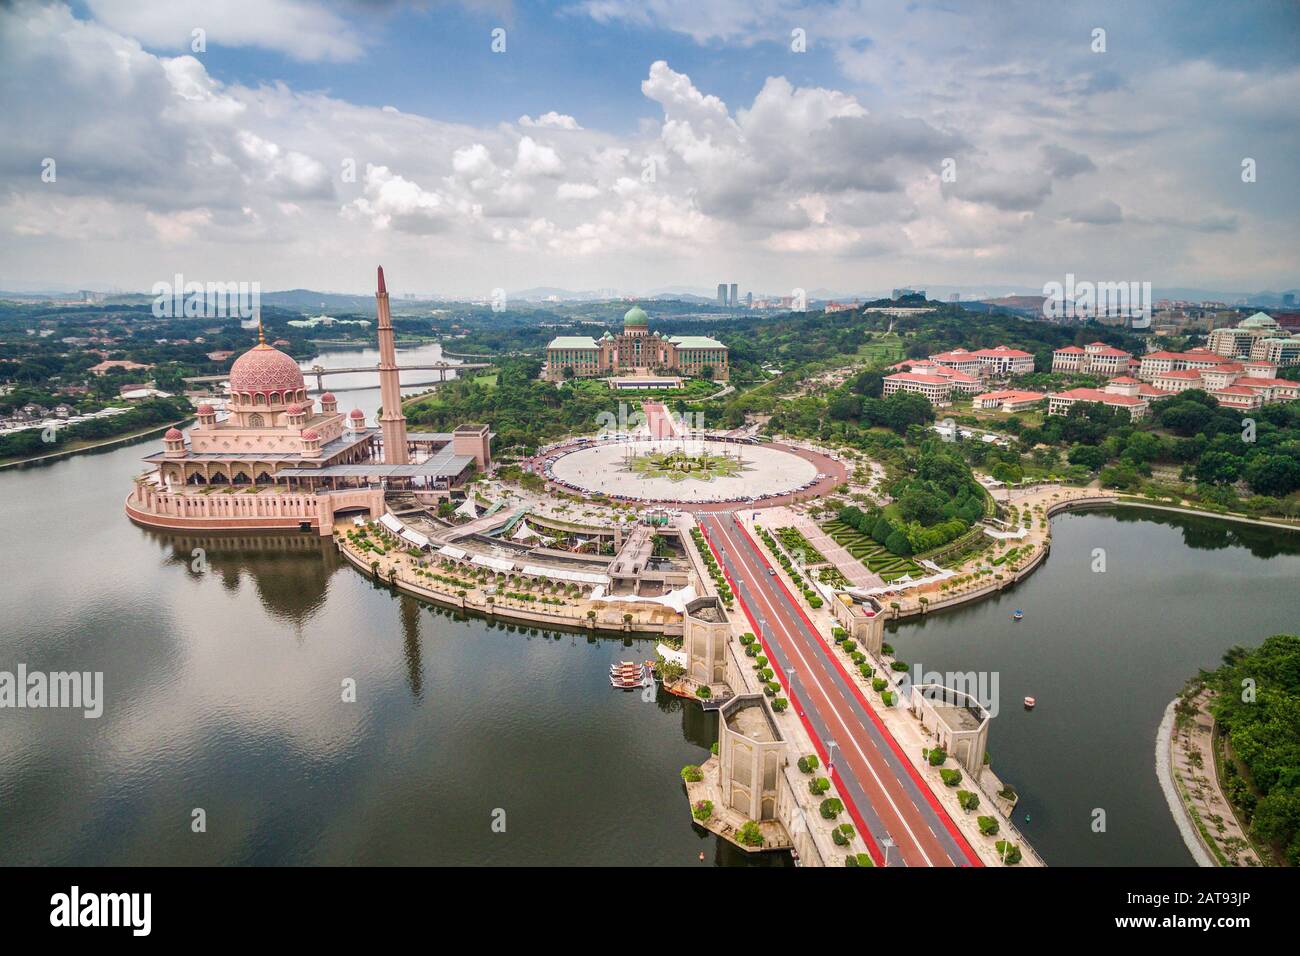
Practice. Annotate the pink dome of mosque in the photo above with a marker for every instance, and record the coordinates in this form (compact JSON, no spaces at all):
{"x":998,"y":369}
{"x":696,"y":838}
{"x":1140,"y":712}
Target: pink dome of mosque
{"x":328,"y":397}
{"x":205,"y":409}
{"x":264,"y":369}
{"x":357,"y":415}
{"x":310,"y":435}
{"x":295,"y":409}
{"x":173,"y":434}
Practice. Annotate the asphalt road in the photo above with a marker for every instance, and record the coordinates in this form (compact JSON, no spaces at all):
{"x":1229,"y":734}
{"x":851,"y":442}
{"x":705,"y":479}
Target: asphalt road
{"x":882,"y":791}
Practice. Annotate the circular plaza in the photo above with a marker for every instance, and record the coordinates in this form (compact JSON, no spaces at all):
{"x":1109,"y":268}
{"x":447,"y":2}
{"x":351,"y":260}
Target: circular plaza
{"x":691,"y":473}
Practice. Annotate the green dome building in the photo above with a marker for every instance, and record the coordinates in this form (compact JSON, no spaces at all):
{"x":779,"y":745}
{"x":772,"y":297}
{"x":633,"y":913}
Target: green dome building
{"x":657,"y":360}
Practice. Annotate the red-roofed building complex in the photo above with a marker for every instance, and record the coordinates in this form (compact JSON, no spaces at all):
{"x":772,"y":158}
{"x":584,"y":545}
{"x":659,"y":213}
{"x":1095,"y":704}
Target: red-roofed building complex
{"x":1096,"y":358}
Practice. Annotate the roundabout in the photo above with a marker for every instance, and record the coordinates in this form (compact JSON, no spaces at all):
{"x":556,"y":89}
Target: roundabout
{"x":690,"y":474}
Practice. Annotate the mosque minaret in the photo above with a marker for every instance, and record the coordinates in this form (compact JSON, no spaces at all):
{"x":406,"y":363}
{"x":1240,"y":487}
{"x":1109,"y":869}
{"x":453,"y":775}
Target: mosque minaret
{"x":392,"y":420}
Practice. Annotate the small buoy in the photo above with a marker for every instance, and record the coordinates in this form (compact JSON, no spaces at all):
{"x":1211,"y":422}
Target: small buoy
{"x":701,"y":856}
{"x":1026,"y":818}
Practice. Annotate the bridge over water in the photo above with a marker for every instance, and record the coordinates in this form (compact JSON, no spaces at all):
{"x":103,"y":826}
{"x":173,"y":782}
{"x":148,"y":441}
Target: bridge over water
{"x":320,"y":371}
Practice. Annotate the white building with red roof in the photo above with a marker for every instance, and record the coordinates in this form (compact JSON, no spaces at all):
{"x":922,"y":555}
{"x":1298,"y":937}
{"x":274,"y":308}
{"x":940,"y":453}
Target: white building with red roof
{"x":1010,"y":400}
{"x":1000,"y":361}
{"x":1156,"y":363}
{"x":936,"y":388}
{"x":1232,"y":384}
{"x":1059,"y":403}
{"x":1096,"y":358}
{"x":1004,"y":361}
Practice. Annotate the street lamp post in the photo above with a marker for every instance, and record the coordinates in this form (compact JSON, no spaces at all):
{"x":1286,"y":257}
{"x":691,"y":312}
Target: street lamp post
{"x":887,"y":843}
{"x":830,"y":757}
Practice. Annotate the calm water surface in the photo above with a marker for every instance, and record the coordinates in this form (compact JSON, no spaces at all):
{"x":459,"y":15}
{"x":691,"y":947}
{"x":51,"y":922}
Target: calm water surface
{"x":223,"y":693}
{"x":1104,"y":653}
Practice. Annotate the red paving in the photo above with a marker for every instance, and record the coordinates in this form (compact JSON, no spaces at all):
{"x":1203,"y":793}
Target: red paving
{"x":882,"y":791}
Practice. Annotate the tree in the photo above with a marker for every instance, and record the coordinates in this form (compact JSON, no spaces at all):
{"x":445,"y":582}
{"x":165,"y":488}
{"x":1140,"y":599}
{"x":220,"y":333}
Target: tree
{"x":1218,"y":468}
{"x":1090,"y":456}
{"x":1185,"y":417}
{"x":898,"y":543}
{"x":1275,"y":475}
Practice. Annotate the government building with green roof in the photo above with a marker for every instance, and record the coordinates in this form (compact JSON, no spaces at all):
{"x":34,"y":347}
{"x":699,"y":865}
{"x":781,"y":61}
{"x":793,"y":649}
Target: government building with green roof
{"x":636,"y":350}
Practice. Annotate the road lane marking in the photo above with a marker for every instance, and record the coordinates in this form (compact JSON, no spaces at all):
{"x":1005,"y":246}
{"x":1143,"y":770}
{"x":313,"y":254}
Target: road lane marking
{"x":726,"y":532}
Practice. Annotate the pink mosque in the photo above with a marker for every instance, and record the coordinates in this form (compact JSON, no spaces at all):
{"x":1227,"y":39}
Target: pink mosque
{"x":278,"y":462}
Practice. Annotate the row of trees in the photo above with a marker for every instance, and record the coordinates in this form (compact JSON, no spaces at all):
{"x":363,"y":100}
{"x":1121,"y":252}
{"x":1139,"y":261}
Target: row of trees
{"x":31,"y":442}
{"x":1258,"y":712}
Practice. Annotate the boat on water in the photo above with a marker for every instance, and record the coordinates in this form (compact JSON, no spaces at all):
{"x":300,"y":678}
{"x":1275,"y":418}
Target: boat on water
{"x":1017,"y":615}
{"x":1029,"y":703}
{"x":629,"y":674}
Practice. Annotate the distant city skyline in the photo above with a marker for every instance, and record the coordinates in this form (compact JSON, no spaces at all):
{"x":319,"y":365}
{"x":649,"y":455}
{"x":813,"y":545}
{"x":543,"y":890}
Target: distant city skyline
{"x":635,"y":146}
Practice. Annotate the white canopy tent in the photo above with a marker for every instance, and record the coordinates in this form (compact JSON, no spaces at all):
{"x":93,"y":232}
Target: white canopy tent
{"x":495,"y":564}
{"x":564,"y":574}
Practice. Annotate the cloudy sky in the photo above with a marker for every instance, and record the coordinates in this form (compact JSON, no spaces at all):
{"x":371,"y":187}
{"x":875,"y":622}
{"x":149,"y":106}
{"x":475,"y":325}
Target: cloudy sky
{"x":638,"y":144}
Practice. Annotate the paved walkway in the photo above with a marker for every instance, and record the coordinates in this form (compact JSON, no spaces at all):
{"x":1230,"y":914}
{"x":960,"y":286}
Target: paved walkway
{"x":1192,"y":763}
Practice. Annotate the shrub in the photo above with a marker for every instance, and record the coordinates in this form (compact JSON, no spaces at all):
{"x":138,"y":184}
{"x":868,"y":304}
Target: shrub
{"x":1009,"y":852}
{"x":702,"y":810}
{"x":809,"y":763}
{"x":950,"y":777}
{"x":878,"y":684}
{"x":818,"y":785}
{"x":830,"y":808}
{"x":704,"y":692}
{"x":838,"y":836}
{"x":751,"y":650}
{"x":747,"y":638}
{"x":898,"y":666}
{"x":780,"y":704}
{"x":887,"y":648}
{"x":859,"y":859}
{"x":888,"y":698}
{"x":969,"y":801}
{"x":692,"y":773}
{"x":858,"y":657}
{"x":713,"y":748}
{"x":988,"y":825}
{"x":839,"y":634}
{"x":847,"y":830}
{"x":749,"y":834}
{"x":937,"y":756}
{"x":850,"y":646}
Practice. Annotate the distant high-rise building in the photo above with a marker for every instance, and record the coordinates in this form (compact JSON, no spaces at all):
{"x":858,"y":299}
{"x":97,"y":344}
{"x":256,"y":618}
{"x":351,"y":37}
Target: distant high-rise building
{"x":1288,"y":298}
{"x":733,"y":300}
{"x":722,"y":293}
{"x":955,"y":297}
{"x":749,"y":300}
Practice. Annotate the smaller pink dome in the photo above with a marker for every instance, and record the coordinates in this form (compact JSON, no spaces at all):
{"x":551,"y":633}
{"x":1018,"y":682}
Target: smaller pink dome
{"x":310,"y":435}
{"x":328,"y":397}
{"x":173,"y":434}
{"x":357,"y":415}
{"x":295,"y":409}
{"x":206,"y":409}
